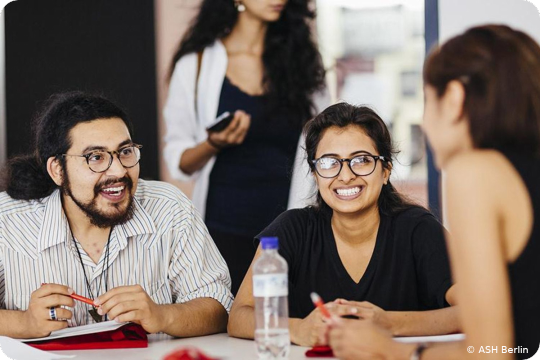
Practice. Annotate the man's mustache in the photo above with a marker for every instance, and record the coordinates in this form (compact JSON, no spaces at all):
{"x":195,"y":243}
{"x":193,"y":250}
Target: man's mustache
{"x":125,"y":180}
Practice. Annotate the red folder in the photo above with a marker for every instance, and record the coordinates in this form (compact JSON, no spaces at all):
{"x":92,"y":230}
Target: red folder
{"x":128,"y":336}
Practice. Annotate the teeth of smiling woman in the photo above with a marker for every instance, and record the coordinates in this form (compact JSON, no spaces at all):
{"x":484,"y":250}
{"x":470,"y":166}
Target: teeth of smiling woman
{"x":348,"y":192}
{"x":115,"y":190}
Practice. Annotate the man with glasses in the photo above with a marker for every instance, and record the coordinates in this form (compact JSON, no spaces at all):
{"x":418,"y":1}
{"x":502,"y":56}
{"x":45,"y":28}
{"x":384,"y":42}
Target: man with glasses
{"x":76,"y":219}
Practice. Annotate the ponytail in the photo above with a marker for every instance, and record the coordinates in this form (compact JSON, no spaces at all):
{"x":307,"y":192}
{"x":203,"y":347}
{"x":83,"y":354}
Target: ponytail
{"x":28,"y":179}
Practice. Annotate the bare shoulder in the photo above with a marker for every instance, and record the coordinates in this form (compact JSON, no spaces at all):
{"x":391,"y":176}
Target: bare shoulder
{"x":481,"y":170}
{"x":479,"y":176}
{"x":484,"y":183}
{"x":479,"y":162}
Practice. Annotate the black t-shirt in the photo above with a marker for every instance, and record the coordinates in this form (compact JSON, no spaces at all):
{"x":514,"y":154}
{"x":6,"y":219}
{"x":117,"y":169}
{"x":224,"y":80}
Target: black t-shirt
{"x":408,"y":270}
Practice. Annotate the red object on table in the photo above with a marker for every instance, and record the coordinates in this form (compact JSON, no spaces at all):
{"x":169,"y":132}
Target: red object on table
{"x":188,"y":353}
{"x":128,"y":336}
{"x":320,"y":351}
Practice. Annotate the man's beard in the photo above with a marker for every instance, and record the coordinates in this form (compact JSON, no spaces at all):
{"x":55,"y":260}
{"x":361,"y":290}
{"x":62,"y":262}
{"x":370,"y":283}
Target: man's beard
{"x":97,"y":217}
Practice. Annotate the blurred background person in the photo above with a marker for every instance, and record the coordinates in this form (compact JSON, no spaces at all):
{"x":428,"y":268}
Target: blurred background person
{"x":255,"y":59}
{"x":482,"y":118}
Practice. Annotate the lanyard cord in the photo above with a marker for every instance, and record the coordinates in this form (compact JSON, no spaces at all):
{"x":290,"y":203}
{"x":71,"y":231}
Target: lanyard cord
{"x":88,"y":287}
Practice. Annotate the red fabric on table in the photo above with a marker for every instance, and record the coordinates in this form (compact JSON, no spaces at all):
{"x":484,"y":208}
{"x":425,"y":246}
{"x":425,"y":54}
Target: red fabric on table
{"x":187,"y":353}
{"x":320,"y":351}
{"x":128,"y":336}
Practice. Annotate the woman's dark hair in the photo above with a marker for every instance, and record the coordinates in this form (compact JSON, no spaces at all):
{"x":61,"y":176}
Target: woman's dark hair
{"x":499,"y":68}
{"x":293,"y":68}
{"x":26,"y":176}
{"x":342,"y":115}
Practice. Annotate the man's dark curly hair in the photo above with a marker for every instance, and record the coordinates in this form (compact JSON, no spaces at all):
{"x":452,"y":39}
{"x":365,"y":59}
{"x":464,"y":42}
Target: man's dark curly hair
{"x":293,"y":68}
{"x":26,"y":176}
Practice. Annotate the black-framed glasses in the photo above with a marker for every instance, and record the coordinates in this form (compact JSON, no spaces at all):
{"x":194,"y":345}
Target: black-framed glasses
{"x":100,"y":160}
{"x":360,"y":165}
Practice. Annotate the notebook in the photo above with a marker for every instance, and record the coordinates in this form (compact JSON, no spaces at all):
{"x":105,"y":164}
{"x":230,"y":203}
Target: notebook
{"x":104,"y":335}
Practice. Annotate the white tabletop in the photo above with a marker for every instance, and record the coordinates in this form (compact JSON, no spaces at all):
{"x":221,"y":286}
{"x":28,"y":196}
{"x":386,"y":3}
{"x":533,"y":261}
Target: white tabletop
{"x":219,"y":346}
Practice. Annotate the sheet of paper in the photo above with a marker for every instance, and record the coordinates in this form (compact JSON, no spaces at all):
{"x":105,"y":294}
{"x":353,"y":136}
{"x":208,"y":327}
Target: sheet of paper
{"x":80,"y":330}
{"x":14,"y":349}
{"x":426,"y":339}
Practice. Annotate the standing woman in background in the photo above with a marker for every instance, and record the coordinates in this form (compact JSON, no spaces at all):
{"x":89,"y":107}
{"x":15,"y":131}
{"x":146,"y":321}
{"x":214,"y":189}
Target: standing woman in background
{"x":257,"y":60}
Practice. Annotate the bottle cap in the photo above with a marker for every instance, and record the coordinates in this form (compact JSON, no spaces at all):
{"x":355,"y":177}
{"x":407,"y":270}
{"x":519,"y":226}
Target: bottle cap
{"x":269,"y":243}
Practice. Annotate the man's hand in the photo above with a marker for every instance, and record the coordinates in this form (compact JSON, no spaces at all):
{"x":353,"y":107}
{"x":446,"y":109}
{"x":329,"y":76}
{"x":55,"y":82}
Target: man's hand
{"x":36,"y":319}
{"x":132,"y":303}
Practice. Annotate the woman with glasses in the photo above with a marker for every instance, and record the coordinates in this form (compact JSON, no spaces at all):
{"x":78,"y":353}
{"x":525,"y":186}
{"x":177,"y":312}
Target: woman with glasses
{"x":256,"y":60}
{"x":364,"y":248}
{"x":482,"y":118}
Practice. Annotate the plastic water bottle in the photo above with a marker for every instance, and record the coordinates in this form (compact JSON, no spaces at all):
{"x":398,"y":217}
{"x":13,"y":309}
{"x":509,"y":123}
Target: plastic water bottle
{"x":270,"y":290}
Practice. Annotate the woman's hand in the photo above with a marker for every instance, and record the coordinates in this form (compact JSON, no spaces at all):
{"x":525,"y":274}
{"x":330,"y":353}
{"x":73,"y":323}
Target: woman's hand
{"x":367,"y":311}
{"x":232,"y":135}
{"x":313,"y":329}
{"x":360,"y":339}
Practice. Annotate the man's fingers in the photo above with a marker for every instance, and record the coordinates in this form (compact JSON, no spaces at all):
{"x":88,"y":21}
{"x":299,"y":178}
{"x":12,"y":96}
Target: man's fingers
{"x":133,"y":316}
{"x":123,"y":308}
{"x":48,"y":289}
{"x":116,"y":292}
{"x":62,"y":314}
{"x":56,"y":300}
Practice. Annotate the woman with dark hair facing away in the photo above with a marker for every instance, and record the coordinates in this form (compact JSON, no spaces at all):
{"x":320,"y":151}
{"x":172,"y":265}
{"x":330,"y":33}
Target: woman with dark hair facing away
{"x":256,"y":60}
{"x":482,"y":118}
{"x":363,"y":242}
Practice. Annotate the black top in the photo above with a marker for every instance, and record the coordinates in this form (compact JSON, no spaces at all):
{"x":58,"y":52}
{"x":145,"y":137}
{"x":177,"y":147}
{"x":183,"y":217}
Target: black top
{"x":524,"y":271}
{"x":249,"y":184}
{"x":408,"y":270}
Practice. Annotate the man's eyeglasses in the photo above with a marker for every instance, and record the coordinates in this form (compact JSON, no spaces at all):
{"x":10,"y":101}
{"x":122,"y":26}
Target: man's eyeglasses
{"x":361,"y":165}
{"x":100,"y":160}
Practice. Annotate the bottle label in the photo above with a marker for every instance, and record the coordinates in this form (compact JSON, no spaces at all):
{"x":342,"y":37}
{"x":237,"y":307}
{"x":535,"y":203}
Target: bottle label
{"x":270,"y":285}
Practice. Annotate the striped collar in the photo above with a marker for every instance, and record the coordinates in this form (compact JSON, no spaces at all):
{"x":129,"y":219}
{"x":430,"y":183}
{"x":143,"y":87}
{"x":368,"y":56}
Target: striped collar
{"x":55,"y":227}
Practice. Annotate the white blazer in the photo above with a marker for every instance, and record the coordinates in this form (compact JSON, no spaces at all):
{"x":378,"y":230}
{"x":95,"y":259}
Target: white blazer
{"x":186,"y":128}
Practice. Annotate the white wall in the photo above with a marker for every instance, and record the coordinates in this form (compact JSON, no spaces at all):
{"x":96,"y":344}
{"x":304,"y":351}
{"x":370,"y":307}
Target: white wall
{"x":455,"y":16}
{"x":172,"y":19}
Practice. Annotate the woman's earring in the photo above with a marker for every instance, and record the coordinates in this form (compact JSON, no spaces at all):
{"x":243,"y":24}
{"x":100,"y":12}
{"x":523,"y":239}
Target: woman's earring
{"x":239,"y":6}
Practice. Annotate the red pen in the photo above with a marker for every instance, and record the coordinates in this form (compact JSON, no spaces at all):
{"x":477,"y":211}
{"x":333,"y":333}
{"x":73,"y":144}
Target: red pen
{"x":82,"y":298}
{"x":317,"y":301}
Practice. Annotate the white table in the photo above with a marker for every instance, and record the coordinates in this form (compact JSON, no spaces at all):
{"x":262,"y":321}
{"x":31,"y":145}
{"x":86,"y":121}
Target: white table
{"x":219,"y":346}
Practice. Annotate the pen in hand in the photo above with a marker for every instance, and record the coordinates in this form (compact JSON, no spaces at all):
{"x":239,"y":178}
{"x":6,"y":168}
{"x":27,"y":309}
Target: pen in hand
{"x":79,"y":297}
{"x":83,"y":299}
{"x":317,"y":301}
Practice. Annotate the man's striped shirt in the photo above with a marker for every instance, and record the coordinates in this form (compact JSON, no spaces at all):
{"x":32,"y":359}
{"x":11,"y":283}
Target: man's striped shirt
{"x":165,"y":248}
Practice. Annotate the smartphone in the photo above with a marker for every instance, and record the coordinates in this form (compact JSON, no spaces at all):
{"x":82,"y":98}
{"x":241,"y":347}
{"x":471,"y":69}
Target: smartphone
{"x":221,"y":122}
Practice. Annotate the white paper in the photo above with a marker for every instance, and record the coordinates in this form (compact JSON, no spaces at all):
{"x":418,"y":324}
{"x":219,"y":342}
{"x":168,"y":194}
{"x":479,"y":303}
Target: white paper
{"x":14,"y":349}
{"x":80,"y":330}
{"x":429,"y":339}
